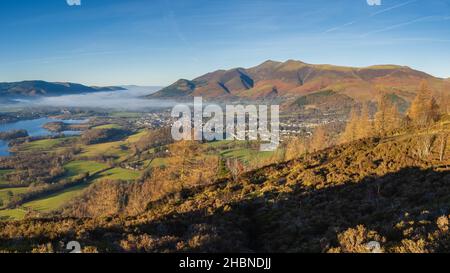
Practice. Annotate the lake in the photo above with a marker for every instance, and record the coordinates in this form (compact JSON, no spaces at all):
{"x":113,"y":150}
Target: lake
{"x":34,"y":128}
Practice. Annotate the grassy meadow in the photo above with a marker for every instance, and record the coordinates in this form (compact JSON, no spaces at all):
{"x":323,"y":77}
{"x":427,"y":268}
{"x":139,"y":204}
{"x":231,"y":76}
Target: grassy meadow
{"x":98,"y":171}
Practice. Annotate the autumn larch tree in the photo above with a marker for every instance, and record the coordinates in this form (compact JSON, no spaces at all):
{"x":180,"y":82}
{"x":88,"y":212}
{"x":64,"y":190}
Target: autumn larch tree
{"x":320,"y":139}
{"x":424,"y":109}
{"x":387,"y":117}
{"x":364,"y":128}
{"x":350,"y":133}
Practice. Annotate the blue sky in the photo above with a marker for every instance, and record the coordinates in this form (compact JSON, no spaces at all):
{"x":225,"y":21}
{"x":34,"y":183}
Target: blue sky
{"x":155,"y":42}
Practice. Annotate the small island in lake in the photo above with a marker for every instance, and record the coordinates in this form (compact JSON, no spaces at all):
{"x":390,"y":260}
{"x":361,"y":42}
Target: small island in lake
{"x":14,"y":134}
{"x":59,"y":126}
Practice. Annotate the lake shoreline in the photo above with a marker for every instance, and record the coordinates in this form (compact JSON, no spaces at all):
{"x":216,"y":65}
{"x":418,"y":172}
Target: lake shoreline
{"x":36,"y":129}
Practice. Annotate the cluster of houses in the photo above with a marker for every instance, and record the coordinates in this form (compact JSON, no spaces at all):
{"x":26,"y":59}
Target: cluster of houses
{"x":155,"y":120}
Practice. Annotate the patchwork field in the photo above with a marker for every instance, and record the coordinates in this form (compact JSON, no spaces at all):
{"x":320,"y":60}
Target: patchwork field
{"x":126,"y":115}
{"x":108,"y":126}
{"x":75,"y":168}
{"x":117,"y":149}
{"x":117,"y":174}
{"x":7,"y":194}
{"x":13,"y":214}
{"x":45,"y":144}
{"x":157,"y":162}
{"x":247,"y":155}
{"x":2,"y":173}
{"x":136,"y":137}
{"x":55,"y":201}
{"x":98,"y":171}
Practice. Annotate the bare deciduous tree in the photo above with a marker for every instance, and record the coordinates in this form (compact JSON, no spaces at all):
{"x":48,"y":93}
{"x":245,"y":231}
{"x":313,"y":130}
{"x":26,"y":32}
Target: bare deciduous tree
{"x":426,"y":145}
{"x":236,"y":168}
{"x":442,"y":146}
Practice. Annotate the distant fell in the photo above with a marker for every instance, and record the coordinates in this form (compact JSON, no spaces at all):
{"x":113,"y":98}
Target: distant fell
{"x":43,"y":88}
{"x":291,"y":79}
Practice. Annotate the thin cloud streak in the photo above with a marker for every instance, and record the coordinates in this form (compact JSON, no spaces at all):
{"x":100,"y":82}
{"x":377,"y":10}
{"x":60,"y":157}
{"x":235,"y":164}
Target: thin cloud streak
{"x":372,"y":15}
{"x":342,"y":26}
{"x":393,"y":7}
{"x":418,"y":20}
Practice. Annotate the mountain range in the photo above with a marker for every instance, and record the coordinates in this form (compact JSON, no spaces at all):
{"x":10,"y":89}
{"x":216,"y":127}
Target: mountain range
{"x":293,"y":79}
{"x":43,"y":88}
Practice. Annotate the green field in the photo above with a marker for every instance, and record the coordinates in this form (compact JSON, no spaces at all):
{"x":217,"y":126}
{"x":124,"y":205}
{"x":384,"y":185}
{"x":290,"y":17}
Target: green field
{"x":118,"y":149}
{"x":45,"y":144}
{"x":118,"y":174}
{"x":12,"y":214}
{"x":246,"y":154}
{"x":100,"y":171}
{"x":56,"y":200}
{"x":136,"y":137}
{"x":110,"y":149}
{"x":5,"y":194}
{"x":157,"y":162}
{"x":126,"y":115}
{"x":2,"y":179}
{"x":108,"y":126}
{"x":75,"y":168}
{"x":219,"y":143}
{"x":3,"y":172}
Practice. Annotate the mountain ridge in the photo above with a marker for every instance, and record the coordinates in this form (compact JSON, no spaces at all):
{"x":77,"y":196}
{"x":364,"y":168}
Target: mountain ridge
{"x":37,"y":88}
{"x":296,"y":78}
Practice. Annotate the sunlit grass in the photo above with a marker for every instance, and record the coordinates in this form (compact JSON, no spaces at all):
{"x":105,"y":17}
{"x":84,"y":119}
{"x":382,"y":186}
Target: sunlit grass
{"x":75,"y":168}
{"x":125,"y":115}
{"x":136,"y":137}
{"x":55,"y":201}
{"x":13,"y":214}
{"x":247,"y":155}
{"x":117,"y":149}
{"x":45,"y":144}
{"x":110,"y":149}
{"x":108,"y":126}
{"x":2,"y":174}
{"x":118,"y":174}
{"x":8,"y":193}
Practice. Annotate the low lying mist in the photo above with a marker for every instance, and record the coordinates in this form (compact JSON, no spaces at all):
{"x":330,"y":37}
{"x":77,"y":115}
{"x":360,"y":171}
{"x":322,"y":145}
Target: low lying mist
{"x":130,"y":99}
